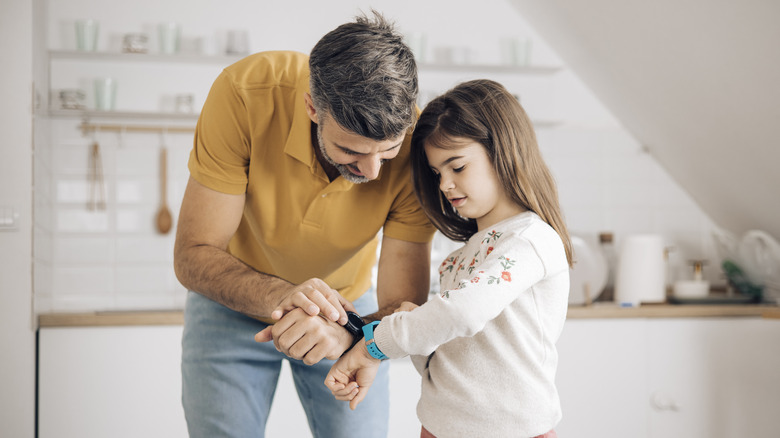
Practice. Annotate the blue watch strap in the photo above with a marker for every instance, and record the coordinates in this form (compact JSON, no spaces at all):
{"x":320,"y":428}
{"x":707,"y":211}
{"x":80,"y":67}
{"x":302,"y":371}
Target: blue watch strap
{"x":373,"y":350}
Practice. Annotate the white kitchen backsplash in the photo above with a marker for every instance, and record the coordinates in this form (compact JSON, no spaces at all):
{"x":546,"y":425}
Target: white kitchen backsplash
{"x":113,"y":259}
{"x":110,"y":259}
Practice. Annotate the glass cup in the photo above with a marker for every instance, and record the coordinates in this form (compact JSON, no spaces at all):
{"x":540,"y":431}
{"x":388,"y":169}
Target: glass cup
{"x":86,"y":35}
{"x":185,"y":103}
{"x":417,"y":42}
{"x":516,"y":51}
{"x":237,"y":42}
{"x":169,"y":35}
{"x":105,"y":94}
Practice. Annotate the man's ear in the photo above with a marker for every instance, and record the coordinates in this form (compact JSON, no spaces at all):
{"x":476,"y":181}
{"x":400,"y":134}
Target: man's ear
{"x":310,"y":110}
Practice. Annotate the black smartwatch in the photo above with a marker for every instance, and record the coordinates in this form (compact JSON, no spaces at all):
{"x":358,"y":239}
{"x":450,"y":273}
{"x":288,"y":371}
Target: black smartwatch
{"x":355,"y":325}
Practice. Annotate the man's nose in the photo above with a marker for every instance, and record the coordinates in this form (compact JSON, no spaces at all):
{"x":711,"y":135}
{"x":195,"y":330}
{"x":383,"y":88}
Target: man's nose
{"x":369,"y":167}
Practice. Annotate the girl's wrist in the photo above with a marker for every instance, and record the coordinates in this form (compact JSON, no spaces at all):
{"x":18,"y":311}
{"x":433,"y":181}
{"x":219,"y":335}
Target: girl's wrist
{"x":365,"y":354}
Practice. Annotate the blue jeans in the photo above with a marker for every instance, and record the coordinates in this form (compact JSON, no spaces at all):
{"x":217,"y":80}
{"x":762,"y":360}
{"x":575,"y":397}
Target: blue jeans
{"x":229,"y":380}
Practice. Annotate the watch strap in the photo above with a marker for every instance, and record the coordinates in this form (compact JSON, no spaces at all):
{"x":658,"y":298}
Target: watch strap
{"x":354,"y":326}
{"x":373,"y":349}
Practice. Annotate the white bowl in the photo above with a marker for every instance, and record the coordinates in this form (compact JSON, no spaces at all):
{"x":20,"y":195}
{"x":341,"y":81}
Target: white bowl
{"x":691,"y":289}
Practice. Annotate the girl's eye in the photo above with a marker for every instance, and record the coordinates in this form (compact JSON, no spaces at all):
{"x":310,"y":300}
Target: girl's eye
{"x":459,"y":169}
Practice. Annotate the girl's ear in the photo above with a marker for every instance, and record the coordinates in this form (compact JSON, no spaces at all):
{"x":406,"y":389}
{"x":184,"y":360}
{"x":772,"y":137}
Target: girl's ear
{"x":310,"y":110}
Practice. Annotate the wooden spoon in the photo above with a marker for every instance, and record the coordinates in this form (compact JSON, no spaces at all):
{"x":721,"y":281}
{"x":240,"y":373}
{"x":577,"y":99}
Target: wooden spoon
{"x":164,"y":219}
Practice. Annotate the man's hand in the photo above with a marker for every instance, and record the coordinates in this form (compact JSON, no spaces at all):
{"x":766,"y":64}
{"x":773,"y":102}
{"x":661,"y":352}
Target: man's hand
{"x":306,"y":337}
{"x":315,"y":297}
{"x":352,"y":375}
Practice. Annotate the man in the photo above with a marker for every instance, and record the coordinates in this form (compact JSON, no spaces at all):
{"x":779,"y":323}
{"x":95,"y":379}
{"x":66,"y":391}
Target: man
{"x":297,"y":164}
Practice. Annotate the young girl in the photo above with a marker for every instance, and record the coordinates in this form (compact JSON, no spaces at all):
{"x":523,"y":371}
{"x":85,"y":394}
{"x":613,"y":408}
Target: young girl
{"x":485,"y":346}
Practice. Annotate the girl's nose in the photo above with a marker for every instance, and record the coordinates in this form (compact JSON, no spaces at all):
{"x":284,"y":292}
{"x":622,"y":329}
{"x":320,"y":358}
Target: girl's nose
{"x":445,"y":184}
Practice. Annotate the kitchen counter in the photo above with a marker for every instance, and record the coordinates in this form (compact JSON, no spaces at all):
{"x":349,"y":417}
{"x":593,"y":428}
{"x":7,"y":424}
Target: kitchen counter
{"x":598,"y":310}
{"x":771,"y":313}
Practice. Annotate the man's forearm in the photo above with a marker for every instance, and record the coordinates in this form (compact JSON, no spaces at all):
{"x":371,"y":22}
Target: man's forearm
{"x":385,"y":310}
{"x":227,"y":280}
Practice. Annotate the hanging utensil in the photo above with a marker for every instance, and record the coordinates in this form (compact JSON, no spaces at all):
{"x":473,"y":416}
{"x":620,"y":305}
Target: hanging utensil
{"x":164,"y":219}
{"x":97,"y":188}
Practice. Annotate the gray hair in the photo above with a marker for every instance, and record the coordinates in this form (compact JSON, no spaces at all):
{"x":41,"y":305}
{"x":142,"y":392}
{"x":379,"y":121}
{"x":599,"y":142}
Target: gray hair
{"x":365,"y":77}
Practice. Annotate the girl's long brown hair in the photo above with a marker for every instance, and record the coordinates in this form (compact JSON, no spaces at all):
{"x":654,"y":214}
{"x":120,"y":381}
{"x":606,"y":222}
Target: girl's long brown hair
{"x":484,"y":111}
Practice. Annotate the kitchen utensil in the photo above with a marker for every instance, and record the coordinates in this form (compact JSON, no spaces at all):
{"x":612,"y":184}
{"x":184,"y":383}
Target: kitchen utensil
{"x":97,"y":188}
{"x":588,"y":276}
{"x":164,"y":219}
{"x":641,"y":271}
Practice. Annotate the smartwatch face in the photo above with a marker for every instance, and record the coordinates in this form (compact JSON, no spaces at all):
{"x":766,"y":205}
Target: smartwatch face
{"x":354,"y":324}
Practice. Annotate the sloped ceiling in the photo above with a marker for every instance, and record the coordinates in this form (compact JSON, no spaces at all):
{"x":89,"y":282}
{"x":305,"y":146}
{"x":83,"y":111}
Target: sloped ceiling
{"x":697,"y":82}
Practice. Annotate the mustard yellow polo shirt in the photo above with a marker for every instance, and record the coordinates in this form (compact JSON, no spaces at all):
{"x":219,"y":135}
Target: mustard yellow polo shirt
{"x":254,"y":137}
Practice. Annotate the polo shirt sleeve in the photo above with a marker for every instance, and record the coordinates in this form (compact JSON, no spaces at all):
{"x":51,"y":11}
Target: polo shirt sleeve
{"x":220,"y":154}
{"x":407,"y":220}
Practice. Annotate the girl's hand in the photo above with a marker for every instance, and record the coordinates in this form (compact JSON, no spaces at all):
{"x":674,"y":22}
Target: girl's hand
{"x":352,"y":375}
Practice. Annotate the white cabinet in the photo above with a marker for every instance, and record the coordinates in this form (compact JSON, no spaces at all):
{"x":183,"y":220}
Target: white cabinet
{"x":713,"y":378}
{"x":601,"y":370}
{"x":668,"y":378}
{"x":617,"y":378}
{"x":97,"y":382}
{"x":110,"y":382}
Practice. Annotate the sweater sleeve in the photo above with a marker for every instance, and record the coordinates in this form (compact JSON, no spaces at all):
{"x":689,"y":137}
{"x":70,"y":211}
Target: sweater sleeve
{"x":513,"y":266}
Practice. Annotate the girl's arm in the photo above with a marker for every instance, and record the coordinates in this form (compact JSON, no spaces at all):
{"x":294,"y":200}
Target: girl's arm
{"x":515,"y":264}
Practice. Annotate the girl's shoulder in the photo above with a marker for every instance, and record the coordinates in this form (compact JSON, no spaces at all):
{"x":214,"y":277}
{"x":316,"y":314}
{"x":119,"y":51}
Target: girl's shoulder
{"x":523,"y":231}
{"x":527,"y":224}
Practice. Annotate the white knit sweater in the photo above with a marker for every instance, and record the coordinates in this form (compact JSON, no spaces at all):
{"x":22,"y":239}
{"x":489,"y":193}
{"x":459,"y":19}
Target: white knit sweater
{"x":485,"y":347}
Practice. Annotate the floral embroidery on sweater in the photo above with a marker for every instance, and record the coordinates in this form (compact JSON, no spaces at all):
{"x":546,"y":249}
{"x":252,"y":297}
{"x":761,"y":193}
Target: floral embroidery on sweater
{"x":449,"y":264}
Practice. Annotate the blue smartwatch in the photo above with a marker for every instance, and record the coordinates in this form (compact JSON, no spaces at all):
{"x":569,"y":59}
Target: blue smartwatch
{"x":373,"y":350}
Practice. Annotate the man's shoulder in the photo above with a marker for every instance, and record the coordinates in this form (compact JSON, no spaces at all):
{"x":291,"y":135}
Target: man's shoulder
{"x":270,"y":67}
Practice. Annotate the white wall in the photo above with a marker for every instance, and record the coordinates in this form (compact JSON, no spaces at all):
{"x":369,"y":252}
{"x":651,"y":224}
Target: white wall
{"x":17,"y":338}
{"x":694,"y":81}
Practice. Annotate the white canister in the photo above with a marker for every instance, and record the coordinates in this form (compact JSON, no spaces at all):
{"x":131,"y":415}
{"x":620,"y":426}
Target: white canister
{"x":641,"y":271}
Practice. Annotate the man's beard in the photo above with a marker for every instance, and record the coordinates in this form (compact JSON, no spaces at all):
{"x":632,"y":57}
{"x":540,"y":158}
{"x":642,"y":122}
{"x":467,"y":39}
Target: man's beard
{"x":342,"y":168}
